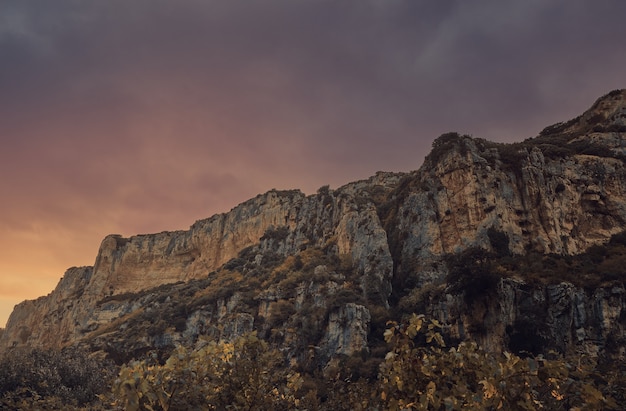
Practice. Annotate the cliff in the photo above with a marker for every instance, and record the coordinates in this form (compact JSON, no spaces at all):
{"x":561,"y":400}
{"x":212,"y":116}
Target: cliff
{"x":127,"y":266}
{"x":326,"y":270}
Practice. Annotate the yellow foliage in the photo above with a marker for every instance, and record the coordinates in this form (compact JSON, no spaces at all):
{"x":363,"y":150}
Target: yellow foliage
{"x":242,"y":373}
{"x":423,"y":375}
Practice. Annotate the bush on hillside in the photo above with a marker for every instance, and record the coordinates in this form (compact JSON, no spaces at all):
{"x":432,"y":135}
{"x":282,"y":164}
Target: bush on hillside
{"x":32,"y":378}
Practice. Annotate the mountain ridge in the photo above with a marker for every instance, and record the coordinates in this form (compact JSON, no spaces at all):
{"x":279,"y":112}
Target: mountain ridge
{"x":348,"y":257}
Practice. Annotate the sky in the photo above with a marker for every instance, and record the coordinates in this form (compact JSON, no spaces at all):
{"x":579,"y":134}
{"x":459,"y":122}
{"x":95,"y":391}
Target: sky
{"x":141,"y":116}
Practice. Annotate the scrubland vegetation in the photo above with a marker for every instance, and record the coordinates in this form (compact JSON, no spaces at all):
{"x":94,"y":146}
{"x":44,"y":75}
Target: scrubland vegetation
{"x":421,"y":370}
{"x":411,"y":363}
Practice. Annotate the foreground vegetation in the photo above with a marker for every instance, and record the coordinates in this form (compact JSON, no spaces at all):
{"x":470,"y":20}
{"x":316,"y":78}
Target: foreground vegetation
{"x":419,"y":371}
{"x":70,"y":379}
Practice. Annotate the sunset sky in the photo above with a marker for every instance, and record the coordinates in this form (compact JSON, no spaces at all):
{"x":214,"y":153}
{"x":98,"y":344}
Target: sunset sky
{"x":140,"y":116}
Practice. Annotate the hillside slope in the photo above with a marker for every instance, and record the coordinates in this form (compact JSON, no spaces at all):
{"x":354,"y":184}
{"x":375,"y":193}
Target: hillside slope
{"x":327,"y":270}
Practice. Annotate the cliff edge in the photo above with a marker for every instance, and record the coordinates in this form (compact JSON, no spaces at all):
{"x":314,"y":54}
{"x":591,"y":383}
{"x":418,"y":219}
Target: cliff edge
{"x":337,"y":261}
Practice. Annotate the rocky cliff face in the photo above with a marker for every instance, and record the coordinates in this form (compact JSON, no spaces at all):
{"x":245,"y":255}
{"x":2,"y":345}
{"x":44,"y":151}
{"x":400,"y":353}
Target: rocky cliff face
{"x":558,"y":206}
{"x":283,"y":221}
{"x":337,"y":261}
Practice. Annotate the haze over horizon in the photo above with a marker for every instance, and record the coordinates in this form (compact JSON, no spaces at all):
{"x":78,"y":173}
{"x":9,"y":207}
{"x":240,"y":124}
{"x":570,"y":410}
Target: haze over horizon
{"x":144,"y":116}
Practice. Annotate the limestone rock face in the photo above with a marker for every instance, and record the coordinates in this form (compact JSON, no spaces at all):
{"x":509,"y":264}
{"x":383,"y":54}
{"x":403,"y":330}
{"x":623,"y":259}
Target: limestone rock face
{"x":145,"y":261}
{"x":560,"y":193}
{"x":347,"y":330}
{"x":542,"y":201}
{"x":38,"y":322}
{"x":540,"y":318}
{"x":129,"y":266}
{"x":550,"y":206}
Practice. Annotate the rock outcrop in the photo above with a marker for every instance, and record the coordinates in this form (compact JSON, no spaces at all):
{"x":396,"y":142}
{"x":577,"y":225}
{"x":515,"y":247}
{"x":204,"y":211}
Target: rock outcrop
{"x":284,"y":221}
{"x":386,"y":237}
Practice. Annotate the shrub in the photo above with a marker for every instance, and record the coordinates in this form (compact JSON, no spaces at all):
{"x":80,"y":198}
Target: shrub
{"x":473,"y":274}
{"x":235,"y":264}
{"x":280,"y":312}
{"x":513,"y":156}
{"x":243,"y":374}
{"x":443,"y":144}
{"x":343,"y":297}
{"x":70,"y":376}
{"x":277,"y":234}
{"x":420,"y":372}
{"x":323,"y":190}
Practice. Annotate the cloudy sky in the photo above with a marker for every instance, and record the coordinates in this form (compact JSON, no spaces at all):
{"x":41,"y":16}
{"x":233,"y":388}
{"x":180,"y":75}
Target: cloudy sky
{"x":141,"y":116}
